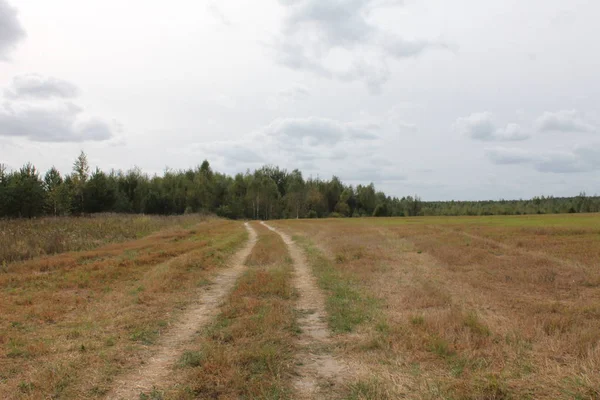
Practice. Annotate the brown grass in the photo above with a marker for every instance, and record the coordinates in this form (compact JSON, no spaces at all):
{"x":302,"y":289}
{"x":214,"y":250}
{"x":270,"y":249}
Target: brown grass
{"x":23,"y":239}
{"x":71,"y":322}
{"x":470,"y":309}
{"x":425,"y":308}
{"x":248,"y":351}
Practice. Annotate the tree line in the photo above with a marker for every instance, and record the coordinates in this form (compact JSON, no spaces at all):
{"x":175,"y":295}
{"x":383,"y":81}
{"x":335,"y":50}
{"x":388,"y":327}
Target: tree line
{"x":266,"y":193}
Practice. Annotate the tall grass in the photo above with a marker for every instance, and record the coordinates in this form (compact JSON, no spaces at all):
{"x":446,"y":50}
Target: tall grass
{"x":23,"y":239}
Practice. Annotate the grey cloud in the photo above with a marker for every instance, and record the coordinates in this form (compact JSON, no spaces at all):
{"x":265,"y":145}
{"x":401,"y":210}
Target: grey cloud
{"x":93,"y":130}
{"x":589,"y":153}
{"x":580,"y":159}
{"x":340,"y":23}
{"x":292,"y":55}
{"x":316,"y":131}
{"x":480,"y":126}
{"x":37,"y":86}
{"x":503,"y":156}
{"x":313,"y":28}
{"x":401,"y":48}
{"x":561,"y":162}
{"x":294,"y":92}
{"x":294,"y":142}
{"x":563,"y":121}
{"x":36,"y":109}
{"x":373,"y":74}
{"x":43,"y":123}
{"x":11,"y":31}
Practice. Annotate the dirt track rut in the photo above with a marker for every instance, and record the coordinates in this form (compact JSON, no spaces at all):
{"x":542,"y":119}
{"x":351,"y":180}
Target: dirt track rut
{"x":319,"y":372}
{"x":155,"y":372}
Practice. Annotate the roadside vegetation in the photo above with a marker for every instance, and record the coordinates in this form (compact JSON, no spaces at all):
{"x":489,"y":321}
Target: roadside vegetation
{"x":70,"y":323}
{"x":467,"y":308}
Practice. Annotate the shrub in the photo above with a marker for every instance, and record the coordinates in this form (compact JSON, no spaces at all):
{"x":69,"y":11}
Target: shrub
{"x":312,"y":214}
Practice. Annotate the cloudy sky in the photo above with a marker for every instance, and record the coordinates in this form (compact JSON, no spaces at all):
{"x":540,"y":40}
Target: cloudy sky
{"x":467,"y":99}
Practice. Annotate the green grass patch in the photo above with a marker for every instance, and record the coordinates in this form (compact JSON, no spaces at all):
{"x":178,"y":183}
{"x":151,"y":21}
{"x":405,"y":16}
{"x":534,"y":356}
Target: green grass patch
{"x":191,"y":359}
{"x":144,"y":335}
{"x":440,"y":346}
{"x":417,"y":320}
{"x":347,"y":305}
{"x":475,"y":325}
{"x":367,"y":390}
{"x":155,"y":394}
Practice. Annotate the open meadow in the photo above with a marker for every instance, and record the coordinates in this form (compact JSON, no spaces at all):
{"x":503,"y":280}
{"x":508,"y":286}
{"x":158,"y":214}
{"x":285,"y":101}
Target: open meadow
{"x":499,"y":307}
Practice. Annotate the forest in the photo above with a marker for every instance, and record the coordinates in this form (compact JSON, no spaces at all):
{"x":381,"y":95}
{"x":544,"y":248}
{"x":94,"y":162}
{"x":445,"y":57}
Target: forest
{"x":266,"y":193}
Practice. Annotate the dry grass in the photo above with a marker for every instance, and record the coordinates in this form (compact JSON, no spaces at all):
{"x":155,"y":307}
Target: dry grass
{"x":248,"y":351}
{"x":425,"y":308}
{"x":23,"y":239}
{"x":489,"y":308}
{"x":70,"y":323}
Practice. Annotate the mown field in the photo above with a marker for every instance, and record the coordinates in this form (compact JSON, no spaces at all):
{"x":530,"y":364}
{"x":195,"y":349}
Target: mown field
{"x":463,"y":307}
{"x":70,"y":323}
{"x":419,"y":308}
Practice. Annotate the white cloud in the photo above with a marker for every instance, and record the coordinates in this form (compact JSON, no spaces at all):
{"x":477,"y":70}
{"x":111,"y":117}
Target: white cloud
{"x":313,"y":29}
{"x":481,"y":126}
{"x":11,"y":31}
{"x":563,"y":121}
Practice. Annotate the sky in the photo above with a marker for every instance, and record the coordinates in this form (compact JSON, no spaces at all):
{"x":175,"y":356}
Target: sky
{"x":464,"y":100}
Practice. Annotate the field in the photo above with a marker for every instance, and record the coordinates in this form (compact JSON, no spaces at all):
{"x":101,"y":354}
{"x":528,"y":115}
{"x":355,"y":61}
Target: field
{"x":374,"y":308}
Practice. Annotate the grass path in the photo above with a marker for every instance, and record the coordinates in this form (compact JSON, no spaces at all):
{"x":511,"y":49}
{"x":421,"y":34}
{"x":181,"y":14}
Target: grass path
{"x":320,"y":374}
{"x":157,"y":369}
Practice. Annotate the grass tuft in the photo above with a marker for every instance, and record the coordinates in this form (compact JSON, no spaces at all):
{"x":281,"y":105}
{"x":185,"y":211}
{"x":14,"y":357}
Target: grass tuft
{"x":473,"y":322}
{"x":191,"y":359}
